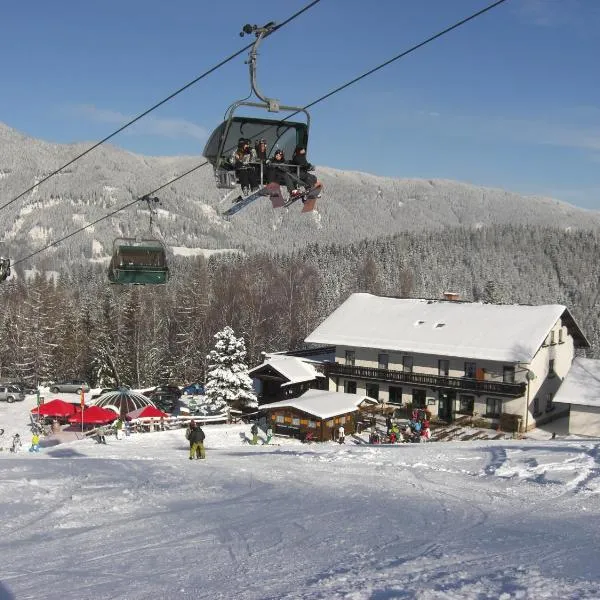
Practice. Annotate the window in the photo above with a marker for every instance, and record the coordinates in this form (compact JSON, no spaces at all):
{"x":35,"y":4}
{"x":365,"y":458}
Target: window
{"x":295,"y":421}
{"x":551,"y":372}
{"x":279,"y":418}
{"x":312,"y":424}
{"x":443,"y":368}
{"x":470,"y":370}
{"x":419,"y":399}
{"x":560,"y":336}
{"x":383,"y":361}
{"x":552,"y":337}
{"x":536,"y":406}
{"x":395,"y":395}
{"x":350,"y":358}
{"x":372,"y":390}
{"x":549,"y":402}
{"x":508,"y":375}
{"x":350,"y":387}
{"x":407,"y":364}
{"x":467,"y":404}
{"x":342,"y":420}
{"x":493,"y":407}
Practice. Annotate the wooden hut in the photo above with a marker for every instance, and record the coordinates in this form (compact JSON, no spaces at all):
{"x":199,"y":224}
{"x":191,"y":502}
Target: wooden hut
{"x":281,"y":376}
{"x":318,"y":412}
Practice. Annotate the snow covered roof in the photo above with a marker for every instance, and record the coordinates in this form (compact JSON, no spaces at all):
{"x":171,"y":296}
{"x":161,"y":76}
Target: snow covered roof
{"x":507,"y":333}
{"x":292,"y":368}
{"x":322,"y":403}
{"x":581,"y":384}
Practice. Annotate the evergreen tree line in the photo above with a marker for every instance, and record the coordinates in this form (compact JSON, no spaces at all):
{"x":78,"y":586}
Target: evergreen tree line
{"x":81,"y":326}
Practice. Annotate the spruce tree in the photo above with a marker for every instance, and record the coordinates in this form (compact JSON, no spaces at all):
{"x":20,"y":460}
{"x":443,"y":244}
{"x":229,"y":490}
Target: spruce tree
{"x":228,"y":383}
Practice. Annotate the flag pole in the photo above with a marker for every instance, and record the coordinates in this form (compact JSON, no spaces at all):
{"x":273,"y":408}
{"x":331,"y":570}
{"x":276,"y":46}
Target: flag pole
{"x":82,"y":402}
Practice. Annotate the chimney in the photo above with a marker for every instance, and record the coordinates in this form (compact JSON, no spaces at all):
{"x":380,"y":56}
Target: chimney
{"x":451,"y":296}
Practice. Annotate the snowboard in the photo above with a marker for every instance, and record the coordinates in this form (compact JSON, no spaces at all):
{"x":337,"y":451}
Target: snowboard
{"x":308,"y":197}
{"x":241,"y":202}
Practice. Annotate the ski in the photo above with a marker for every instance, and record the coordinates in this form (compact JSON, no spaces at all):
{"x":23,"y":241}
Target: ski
{"x":308,"y":197}
{"x":241,"y":202}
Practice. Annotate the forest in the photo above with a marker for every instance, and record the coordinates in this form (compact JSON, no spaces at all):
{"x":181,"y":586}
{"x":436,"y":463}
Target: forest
{"x":79,"y":325}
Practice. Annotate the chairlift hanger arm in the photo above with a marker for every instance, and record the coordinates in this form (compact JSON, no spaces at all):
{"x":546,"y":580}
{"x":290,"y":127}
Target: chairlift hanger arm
{"x":260,"y":33}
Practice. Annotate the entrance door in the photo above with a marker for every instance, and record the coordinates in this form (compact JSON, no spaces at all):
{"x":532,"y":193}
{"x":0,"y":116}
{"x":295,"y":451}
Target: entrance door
{"x":446,"y":404}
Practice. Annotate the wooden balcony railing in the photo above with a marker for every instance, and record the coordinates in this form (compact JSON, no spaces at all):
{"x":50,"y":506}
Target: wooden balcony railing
{"x":461,"y":384}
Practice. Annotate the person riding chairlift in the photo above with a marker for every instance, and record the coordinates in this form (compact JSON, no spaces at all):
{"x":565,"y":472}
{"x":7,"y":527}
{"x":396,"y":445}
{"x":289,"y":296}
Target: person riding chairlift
{"x":242,"y":160}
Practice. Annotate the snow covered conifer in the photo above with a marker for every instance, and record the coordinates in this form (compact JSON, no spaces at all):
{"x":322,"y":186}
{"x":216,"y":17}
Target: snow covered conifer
{"x":228,"y":383}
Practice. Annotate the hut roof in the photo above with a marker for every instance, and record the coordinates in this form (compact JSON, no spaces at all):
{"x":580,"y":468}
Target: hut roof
{"x":323,"y":404}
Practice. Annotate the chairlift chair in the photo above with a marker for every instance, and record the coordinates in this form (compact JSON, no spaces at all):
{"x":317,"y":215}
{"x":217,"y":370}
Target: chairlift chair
{"x":279,"y":133}
{"x":138,"y":262}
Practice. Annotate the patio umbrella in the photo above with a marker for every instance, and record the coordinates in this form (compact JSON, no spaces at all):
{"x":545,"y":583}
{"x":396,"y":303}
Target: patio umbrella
{"x":55,"y":408}
{"x":94,"y":415}
{"x":145,"y":412}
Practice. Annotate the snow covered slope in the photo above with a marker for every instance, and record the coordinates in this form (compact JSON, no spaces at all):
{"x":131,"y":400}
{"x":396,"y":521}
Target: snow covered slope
{"x":136,"y":519}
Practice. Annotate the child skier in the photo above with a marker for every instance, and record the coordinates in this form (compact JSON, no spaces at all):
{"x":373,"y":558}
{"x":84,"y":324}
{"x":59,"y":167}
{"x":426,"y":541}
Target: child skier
{"x":35,"y":443}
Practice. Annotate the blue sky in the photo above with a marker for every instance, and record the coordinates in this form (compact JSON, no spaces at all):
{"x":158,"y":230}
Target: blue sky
{"x":510,"y":100}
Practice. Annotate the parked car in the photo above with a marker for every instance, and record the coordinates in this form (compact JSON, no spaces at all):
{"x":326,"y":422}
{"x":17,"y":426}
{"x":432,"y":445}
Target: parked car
{"x":194,"y":389}
{"x":102,"y":392}
{"x":10,"y":393}
{"x":71,"y":385}
{"x":166,"y":401}
{"x":26,"y":388}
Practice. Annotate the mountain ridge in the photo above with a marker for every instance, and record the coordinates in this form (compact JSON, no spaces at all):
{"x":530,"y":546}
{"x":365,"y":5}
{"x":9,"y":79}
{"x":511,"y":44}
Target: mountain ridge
{"x":355,"y":205}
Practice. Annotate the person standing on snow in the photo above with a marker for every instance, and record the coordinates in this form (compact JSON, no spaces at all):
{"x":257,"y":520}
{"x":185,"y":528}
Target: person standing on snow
{"x":16,"y":443}
{"x":254,"y":432}
{"x":341,"y":434}
{"x":196,"y":443}
{"x":35,"y":443}
{"x":119,"y":428}
{"x":269,"y":435}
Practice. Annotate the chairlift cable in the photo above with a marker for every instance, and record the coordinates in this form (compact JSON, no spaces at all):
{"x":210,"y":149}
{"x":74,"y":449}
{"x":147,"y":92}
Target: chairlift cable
{"x":155,"y":106}
{"x":322,"y":98}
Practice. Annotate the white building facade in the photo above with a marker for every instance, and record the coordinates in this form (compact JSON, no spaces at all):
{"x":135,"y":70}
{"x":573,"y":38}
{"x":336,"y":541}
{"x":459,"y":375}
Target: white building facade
{"x":454,"y":358}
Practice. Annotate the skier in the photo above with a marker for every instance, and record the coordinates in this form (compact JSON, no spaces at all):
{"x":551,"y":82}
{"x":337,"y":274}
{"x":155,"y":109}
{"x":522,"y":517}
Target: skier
{"x":341,"y":434}
{"x":299,"y":159}
{"x":101,"y":435}
{"x":16,"y":443}
{"x":269,"y":435}
{"x":196,"y":442}
{"x":242,"y":159}
{"x":119,"y":429}
{"x":254,"y":432}
{"x":279,"y":173}
{"x":35,"y":443}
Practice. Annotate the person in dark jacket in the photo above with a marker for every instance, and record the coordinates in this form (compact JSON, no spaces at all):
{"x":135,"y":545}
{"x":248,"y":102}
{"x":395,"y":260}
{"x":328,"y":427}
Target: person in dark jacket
{"x":196,"y":442}
{"x":242,"y":160}
{"x":308,"y":179}
{"x":279,"y":171}
{"x":263,"y":167}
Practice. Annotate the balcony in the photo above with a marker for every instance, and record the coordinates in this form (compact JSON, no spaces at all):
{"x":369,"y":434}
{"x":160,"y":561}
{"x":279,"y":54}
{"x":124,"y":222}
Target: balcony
{"x":460,"y":384}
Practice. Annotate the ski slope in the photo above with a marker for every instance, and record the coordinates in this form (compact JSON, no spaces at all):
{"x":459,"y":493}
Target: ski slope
{"x":136,"y":519}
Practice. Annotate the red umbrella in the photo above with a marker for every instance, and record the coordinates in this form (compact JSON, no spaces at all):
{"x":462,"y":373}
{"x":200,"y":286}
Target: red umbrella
{"x":94,"y":415}
{"x":146,"y":411}
{"x":55,"y":408}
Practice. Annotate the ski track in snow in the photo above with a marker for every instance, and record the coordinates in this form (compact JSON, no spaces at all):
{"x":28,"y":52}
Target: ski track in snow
{"x":136,"y":519}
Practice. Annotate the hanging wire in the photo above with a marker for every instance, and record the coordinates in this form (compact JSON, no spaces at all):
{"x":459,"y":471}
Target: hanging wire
{"x":317,"y":101}
{"x":155,"y":106}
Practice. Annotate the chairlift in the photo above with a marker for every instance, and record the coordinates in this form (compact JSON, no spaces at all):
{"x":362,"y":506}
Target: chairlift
{"x":279,"y":134}
{"x":139,"y":261}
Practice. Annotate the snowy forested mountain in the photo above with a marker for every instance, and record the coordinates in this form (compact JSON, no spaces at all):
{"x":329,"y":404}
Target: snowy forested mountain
{"x":485,"y":244}
{"x":354,"y":207}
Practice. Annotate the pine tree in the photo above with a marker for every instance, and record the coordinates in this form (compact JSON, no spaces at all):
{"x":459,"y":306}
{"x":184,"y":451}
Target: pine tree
{"x":227,"y":382}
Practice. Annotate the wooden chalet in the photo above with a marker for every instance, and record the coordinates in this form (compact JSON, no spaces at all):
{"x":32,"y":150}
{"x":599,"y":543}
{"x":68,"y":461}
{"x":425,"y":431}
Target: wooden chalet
{"x":289,"y":375}
{"x":318,"y":412}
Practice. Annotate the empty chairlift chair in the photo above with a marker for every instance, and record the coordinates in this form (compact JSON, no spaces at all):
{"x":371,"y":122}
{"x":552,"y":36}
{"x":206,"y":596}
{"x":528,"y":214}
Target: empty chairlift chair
{"x":138,"y":262}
